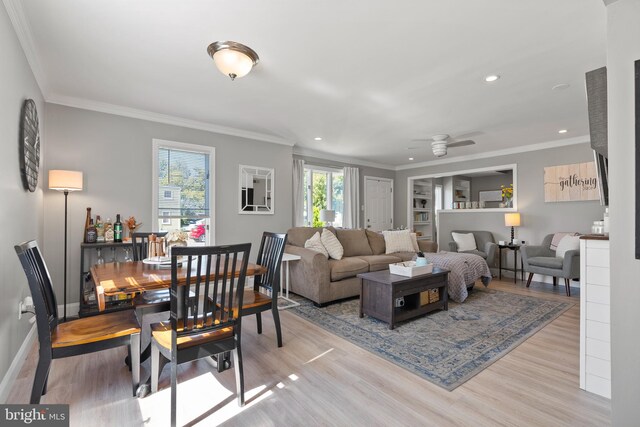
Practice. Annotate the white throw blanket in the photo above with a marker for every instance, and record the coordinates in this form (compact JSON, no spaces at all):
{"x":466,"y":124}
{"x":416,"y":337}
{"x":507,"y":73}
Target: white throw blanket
{"x":464,"y":269}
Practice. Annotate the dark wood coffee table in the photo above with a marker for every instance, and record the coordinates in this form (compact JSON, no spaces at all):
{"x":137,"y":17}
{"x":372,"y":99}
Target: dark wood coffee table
{"x":380,"y":289}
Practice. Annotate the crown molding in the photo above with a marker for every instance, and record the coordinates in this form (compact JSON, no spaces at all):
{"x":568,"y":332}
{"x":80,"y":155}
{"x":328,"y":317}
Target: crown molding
{"x":23,"y":31}
{"x":151,"y":116}
{"x":301,"y":151}
{"x":515,"y":150}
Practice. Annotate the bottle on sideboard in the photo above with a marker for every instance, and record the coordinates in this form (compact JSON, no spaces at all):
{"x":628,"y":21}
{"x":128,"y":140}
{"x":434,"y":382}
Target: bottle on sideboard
{"x":117,"y":230}
{"x":91,"y":234}
{"x":108,"y":231}
{"x":86,"y":225}
{"x":99,"y":230}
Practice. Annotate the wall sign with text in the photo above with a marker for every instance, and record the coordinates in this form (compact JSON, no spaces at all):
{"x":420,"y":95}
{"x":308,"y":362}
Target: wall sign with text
{"x":570,"y":183}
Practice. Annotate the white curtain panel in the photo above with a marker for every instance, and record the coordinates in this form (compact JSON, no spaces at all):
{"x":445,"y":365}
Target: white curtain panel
{"x":351,"y":198}
{"x":298,"y":193}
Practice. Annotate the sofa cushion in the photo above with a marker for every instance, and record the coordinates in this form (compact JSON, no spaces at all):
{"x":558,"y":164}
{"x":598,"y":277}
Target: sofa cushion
{"x":347,"y":267}
{"x":397,"y":241}
{"x":315,"y":244}
{"x":376,"y":241}
{"x":331,"y":244}
{"x":354,"y":242}
{"x":547,"y":262}
{"x":296,"y":236}
{"x":380,"y":262}
{"x":475,"y":252}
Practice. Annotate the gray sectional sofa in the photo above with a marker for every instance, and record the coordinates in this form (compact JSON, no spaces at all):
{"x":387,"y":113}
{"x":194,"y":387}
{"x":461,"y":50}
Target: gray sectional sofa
{"x":325,"y":280}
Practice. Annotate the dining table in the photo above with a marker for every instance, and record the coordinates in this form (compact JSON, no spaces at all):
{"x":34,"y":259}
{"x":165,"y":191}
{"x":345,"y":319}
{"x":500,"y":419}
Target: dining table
{"x":119,"y":279}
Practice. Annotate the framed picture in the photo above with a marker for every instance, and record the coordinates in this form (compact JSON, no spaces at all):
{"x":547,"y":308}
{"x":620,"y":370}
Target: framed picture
{"x":490,"y":196}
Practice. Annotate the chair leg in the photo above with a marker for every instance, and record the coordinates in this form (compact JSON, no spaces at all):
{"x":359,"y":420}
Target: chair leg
{"x":555,"y":281}
{"x":237,"y":358}
{"x":276,"y":320}
{"x":567,"y":284}
{"x":46,"y":381}
{"x":134,"y":350}
{"x":529,"y":279}
{"x":155,"y":367}
{"x":42,"y":373}
{"x":259,"y":322}
{"x":174,"y":388}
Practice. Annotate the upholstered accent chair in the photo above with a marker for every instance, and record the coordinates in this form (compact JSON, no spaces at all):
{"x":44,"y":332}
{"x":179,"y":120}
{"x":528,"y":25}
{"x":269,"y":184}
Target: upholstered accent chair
{"x":485,"y":244}
{"x":542,"y":260}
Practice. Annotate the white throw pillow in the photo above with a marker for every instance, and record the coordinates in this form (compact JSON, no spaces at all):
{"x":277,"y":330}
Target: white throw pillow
{"x":397,"y":241}
{"x":332,"y":244}
{"x":315,"y":244}
{"x":568,"y":243}
{"x":414,"y":242}
{"x":465,"y":241}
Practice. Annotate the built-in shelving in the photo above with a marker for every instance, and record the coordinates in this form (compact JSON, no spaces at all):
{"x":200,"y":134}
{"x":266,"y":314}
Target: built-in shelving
{"x":421,"y":218}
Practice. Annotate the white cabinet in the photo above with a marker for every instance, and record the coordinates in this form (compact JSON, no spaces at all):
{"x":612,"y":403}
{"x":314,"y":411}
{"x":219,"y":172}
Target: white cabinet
{"x":421,"y":219}
{"x":595,"y":329}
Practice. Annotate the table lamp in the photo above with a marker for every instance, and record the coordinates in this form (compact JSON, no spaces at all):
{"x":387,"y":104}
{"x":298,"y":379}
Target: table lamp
{"x":65,"y":181}
{"x":327,"y":216}
{"x":512,"y":220}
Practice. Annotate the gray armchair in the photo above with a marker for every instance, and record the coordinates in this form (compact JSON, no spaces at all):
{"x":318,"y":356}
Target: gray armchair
{"x":484,"y":242}
{"x":542,"y":260}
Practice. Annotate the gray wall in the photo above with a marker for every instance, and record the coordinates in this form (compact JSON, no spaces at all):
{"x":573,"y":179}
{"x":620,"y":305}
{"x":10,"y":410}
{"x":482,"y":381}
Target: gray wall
{"x":489,"y":183}
{"x":21,"y":212}
{"x":623,"y":49}
{"x":538,"y":218}
{"x":364,"y":171}
{"x":115,"y":155}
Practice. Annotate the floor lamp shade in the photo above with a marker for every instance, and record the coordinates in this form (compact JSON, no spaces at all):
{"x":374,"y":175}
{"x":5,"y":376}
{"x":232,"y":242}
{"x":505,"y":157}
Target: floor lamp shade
{"x":65,"y":181}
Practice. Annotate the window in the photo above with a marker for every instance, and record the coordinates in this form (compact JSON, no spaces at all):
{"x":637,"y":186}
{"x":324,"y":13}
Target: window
{"x":183,"y":190}
{"x":323,"y":189}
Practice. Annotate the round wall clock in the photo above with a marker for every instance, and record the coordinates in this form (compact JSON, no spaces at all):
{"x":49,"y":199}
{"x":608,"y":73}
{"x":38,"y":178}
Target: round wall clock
{"x":29,"y":145}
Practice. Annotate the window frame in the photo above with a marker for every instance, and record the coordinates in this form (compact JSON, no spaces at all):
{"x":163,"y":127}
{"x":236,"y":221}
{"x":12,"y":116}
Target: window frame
{"x":157,"y":144}
{"x":308,"y":174}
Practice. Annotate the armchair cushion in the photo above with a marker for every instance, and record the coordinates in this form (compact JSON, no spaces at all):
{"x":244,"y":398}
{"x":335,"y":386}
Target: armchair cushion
{"x":475,"y":252}
{"x":547,"y":262}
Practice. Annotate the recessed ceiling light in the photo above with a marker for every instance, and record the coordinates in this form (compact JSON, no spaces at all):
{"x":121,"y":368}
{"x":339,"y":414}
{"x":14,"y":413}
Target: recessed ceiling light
{"x":317,"y":138}
{"x":561,"y":86}
{"x":562,"y":131}
{"x":410,"y":158}
{"x":491,"y":78}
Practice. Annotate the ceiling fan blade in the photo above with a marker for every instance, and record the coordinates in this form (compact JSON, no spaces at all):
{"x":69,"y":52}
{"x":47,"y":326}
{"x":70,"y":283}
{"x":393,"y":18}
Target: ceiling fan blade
{"x":461,"y":143}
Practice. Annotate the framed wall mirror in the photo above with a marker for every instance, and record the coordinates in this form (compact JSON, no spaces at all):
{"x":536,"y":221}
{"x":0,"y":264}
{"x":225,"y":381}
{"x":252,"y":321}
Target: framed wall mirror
{"x":256,"y":190}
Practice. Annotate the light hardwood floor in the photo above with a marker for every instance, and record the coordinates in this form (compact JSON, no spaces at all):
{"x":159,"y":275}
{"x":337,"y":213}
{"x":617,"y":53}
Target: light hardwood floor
{"x":317,"y":378}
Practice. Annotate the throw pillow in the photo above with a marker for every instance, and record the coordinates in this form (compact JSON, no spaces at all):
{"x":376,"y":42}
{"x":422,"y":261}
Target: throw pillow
{"x":332,"y":244}
{"x":315,"y":244}
{"x":397,"y":241}
{"x":376,"y":241}
{"x":568,"y":243}
{"x":414,"y":242}
{"x":465,"y":241}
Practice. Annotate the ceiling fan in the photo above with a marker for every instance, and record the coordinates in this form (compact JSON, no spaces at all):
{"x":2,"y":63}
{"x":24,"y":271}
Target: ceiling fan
{"x":440,"y":143}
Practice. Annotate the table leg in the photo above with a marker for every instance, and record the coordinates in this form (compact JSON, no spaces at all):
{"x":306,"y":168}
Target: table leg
{"x":515,"y":265}
{"x":284,"y":290}
{"x":360,"y":314}
{"x":500,"y":264}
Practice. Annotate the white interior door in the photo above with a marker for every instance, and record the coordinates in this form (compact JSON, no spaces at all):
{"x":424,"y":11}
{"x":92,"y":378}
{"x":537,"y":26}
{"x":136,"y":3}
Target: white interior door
{"x":378,"y":203}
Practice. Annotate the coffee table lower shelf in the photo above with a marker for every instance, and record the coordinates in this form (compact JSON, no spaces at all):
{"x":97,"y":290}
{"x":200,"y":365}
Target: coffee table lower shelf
{"x":380,"y":290}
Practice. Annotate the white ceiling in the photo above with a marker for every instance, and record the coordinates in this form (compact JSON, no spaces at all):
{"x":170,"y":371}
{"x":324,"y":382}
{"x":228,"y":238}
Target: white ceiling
{"x":367,"y":76}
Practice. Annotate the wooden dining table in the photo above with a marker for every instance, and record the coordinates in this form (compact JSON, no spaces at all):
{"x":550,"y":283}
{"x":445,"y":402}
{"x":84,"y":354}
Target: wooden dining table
{"x":126,"y":278}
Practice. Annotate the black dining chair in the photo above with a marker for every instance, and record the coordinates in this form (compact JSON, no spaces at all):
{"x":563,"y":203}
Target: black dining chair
{"x":75,"y":337}
{"x":208,"y":324}
{"x":264,"y":295}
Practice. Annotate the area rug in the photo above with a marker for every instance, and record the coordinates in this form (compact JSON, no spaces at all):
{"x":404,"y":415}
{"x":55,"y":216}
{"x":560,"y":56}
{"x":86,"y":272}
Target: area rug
{"x":444,"y":347}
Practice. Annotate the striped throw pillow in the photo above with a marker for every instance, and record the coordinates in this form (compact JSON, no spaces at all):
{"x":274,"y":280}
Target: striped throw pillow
{"x":332,"y":244}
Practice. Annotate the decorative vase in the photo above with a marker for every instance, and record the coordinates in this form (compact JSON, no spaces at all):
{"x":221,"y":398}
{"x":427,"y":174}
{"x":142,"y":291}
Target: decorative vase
{"x":508,"y":203}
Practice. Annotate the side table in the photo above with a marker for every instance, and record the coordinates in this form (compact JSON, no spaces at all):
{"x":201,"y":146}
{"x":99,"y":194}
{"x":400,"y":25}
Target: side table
{"x":286,"y":259}
{"x":515,"y":249}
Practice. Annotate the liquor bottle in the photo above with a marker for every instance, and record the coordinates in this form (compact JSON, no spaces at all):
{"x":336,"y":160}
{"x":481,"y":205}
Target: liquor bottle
{"x":86,"y":225}
{"x":108,"y":231}
{"x":117,"y":230}
{"x":91,"y":233}
{"x":99,"y":230}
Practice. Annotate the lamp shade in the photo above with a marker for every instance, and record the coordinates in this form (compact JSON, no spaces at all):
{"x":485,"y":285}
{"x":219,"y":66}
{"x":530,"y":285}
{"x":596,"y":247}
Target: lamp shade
{"x":327,"y":215}
{"x":512,"y":219}
{"x":65,"y":180}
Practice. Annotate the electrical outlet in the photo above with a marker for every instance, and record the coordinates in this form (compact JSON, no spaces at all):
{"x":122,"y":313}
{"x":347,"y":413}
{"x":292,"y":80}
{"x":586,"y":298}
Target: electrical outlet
{"x":20,"y":305}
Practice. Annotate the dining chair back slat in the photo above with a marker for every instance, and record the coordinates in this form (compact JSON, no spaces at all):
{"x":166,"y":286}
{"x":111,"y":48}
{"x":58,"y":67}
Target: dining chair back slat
{"x":140,"y":243}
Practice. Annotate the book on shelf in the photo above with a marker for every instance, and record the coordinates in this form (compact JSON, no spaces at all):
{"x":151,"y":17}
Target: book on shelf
{"x":421,"y":216}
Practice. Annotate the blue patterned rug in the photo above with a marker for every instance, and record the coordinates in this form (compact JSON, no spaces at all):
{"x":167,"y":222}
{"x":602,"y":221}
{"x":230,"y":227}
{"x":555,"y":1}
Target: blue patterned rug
{"x":444,"y":347}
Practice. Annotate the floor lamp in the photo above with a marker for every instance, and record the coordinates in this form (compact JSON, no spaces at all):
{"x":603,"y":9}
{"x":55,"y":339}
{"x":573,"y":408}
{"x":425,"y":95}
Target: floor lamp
{"x":65,"y":181}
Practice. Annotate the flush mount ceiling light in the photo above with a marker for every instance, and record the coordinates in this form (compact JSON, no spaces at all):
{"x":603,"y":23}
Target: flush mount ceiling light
{"x":233,"y":59}
{"x":491,"y":78}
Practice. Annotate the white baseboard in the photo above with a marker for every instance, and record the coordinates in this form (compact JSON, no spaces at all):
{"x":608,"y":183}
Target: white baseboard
{"x":16,"y":364}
